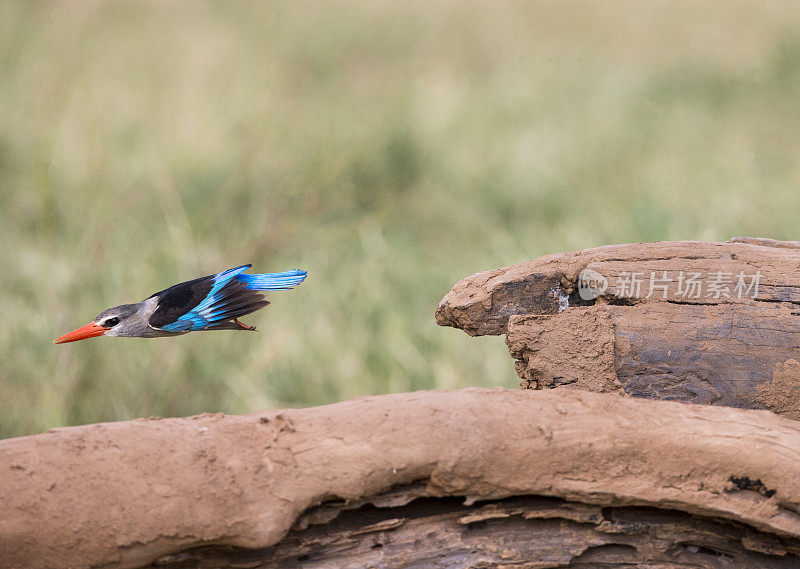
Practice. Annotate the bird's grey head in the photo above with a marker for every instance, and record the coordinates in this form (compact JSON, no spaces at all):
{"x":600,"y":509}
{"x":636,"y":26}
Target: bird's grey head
{"x":118,"y":321}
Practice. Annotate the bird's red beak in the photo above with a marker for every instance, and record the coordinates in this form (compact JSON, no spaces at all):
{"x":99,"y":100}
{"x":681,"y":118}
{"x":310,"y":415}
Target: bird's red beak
{"x":89,"y":331}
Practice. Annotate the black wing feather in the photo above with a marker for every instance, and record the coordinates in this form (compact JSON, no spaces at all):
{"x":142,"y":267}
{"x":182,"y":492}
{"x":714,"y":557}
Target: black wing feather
{"x":233,"y":300}
{"x":177,"y":300}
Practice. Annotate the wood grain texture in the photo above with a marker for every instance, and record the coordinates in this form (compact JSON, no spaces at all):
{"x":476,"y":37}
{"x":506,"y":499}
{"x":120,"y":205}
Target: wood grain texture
{"x":527,"y":532}
{"x":482,"y":303}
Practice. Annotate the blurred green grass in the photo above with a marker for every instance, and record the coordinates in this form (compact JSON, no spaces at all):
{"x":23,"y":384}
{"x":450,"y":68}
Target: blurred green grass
{"x":390,"y":149}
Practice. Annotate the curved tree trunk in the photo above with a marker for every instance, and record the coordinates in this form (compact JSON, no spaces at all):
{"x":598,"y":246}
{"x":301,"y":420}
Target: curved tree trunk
{"x":550,"y":478}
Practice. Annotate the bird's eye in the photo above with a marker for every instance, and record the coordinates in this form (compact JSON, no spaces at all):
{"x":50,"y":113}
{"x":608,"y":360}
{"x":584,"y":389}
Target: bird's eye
{"x":111,"y":322}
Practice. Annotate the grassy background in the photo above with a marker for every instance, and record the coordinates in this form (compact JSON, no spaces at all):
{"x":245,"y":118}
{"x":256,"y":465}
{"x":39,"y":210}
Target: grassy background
{"x":390,"y":149}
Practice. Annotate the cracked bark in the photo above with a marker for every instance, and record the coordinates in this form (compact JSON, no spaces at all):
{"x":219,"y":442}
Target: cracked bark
{"x":527,"y":532}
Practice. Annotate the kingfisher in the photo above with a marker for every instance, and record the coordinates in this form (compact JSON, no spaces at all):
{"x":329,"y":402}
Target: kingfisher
{"x":215,"y":302}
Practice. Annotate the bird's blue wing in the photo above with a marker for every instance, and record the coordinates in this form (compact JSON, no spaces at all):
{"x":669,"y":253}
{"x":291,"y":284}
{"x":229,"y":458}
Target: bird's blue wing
{"x":230,"y":294}
{"x":203,"y":315}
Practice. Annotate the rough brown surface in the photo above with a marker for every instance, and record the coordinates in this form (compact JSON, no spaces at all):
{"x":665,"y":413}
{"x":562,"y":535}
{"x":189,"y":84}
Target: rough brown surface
{"x":734,"y":355}
{"x":526,"y":532}
{"x":482,"y":304}
{"x":724,"y":348}
{"x":782,"y":394}
{"x":126,"y":494}
{"x":574,"y":348}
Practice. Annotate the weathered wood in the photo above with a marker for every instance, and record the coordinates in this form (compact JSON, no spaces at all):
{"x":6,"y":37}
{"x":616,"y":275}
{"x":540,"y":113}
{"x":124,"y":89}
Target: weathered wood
{"x":713,"y":323}
{"x":482,"y":304}
{"x":736,"y":355}
{"x":528,"y":532}
{"x":126,"y":494}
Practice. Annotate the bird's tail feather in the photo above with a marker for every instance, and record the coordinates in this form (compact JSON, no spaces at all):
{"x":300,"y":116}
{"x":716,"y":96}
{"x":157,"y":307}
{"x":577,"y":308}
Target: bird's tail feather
{"x":273,"y":281}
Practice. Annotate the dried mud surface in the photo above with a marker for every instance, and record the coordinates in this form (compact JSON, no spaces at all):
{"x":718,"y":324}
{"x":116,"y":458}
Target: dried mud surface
{"x":574,"y":349}
{"x":127,"y":494}
{"x":781,"y":394}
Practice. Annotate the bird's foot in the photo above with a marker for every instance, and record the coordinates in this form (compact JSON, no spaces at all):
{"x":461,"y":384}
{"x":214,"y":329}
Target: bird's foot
{"x":244,"y":326}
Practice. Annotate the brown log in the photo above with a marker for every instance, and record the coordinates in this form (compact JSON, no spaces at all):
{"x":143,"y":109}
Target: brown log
{"x":735,"y":355}
{"x":529,"y":532}
{"x":483,"y":303}
{"x":725,"y":482}
{"x":740,"y":350}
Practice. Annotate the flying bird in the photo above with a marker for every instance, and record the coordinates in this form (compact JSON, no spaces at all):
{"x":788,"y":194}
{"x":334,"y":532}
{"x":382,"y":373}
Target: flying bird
{"x":215,"y":302}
